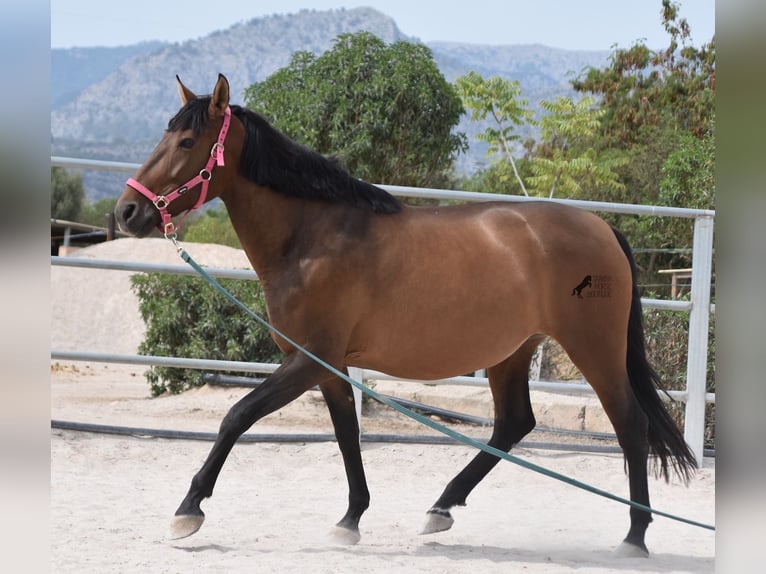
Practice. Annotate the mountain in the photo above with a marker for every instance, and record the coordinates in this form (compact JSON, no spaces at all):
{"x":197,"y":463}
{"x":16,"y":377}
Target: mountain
{"x":75,"y":69}
{"x":113,"y":103}
{"x":136,"y":100}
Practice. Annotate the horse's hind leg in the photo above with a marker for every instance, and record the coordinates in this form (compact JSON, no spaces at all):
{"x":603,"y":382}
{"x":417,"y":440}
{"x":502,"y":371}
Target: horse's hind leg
{"x":340,"y":402}
{"x":509,"y":382}
{"x":602,"y":363}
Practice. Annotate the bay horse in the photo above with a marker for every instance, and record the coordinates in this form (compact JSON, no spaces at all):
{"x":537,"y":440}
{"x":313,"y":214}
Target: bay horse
{"x":362,"y":280}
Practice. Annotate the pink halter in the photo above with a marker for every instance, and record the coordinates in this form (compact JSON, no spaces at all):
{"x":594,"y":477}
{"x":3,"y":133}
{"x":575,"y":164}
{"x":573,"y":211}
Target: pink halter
{"x":161,"y":202}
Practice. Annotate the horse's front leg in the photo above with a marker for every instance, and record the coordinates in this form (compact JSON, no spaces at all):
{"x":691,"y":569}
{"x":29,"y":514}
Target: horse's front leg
{"x":340,"y":401}
{"x":295,"y":376}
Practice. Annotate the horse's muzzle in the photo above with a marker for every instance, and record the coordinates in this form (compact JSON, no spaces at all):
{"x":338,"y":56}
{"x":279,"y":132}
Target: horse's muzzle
{"x":137,"y":218}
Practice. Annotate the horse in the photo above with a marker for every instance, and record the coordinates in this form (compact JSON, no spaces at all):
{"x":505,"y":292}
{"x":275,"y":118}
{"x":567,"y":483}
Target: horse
{"x":362,"y":280}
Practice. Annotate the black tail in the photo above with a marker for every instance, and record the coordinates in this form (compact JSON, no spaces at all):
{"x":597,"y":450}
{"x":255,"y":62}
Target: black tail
{"x":666,"y":442}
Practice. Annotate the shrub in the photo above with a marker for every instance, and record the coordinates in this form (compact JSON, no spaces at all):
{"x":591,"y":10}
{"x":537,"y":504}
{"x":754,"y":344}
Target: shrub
{"x":667,"y":335}
{"x":212,"y":227}
{"x":185,"y":317}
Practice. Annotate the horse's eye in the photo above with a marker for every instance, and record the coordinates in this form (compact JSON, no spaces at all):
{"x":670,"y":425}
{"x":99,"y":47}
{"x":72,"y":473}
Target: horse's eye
{"x":186,"y":143}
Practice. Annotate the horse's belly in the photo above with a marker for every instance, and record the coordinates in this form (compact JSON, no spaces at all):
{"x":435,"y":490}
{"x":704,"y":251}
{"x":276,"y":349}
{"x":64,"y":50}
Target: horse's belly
{"x":426,"y":366}
{"x":436,"y":349}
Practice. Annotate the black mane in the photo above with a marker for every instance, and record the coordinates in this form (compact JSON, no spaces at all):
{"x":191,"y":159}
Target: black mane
{"x":273,"y":160}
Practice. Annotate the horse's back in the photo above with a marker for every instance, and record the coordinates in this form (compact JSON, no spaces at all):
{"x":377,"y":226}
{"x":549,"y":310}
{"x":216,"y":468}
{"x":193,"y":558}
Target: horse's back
{"x":532,"y":251}
{"x":466,"y":285}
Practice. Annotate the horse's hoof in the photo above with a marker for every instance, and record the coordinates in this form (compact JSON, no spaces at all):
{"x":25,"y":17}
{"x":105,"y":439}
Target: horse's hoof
{"x":628,"y":550}
{"x":345,"y":536}
{"x":437,"y":521}
{"x":184,"y":525}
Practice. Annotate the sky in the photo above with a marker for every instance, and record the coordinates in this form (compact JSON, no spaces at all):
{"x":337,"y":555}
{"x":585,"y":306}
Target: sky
{"x":569,"y":24}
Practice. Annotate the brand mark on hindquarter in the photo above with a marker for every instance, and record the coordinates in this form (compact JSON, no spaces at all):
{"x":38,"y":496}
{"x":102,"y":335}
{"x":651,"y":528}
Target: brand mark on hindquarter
{"x":593,"y":286}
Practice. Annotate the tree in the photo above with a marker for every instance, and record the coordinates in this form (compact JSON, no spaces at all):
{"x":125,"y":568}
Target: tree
{"x":672,"y":88}
{"x":499,"y":178}
{"x":501,"y":100}
{"x":67,"y":194}
{"x":656,"y":104}
{"x":564,"y":161}
{"x":386,"y":110}
{"x":687,"y":179}
{"x":688,"y":173}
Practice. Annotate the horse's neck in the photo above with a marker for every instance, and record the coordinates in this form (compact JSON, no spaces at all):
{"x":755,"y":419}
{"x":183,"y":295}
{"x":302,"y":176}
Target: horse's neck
{"x":262,"y":222}
{"x":272,"y":227}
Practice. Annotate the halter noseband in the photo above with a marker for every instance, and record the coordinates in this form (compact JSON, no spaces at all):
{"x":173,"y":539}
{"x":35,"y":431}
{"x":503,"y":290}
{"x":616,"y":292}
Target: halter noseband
{"x":161,"y":202}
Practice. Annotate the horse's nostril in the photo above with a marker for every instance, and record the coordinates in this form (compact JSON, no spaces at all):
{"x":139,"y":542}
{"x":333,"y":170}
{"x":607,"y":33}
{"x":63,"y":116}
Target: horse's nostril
{"x":125,"y":211}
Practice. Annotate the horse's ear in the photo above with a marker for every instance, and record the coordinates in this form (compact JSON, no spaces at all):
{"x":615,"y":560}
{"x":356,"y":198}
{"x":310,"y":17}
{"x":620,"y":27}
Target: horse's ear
{"x":220,"y":100}
{"x":186,"y":94}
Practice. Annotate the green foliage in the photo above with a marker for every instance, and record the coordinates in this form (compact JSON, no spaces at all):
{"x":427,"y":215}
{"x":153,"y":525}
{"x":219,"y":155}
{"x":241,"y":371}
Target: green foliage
{"x":659,"y":110}
{"x":212,"y":227}
{"x":688,"y":173}
{"x":687,"y":180}
{"x":667,"y":335}
{"x":67,"y":194}
{"x":672,"y":168}
{"x":672,"y":88}
{"x":96,"y":213}
{"x":186,"y":318}
{"x":499,"y":178}
{"x":501,"y":100}
{"x":386,"y":110}
{"x":564,"y":161}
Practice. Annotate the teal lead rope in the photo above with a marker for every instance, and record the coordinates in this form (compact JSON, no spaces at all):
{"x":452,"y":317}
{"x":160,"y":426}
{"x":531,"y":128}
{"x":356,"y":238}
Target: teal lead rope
{"x":421,"y":419}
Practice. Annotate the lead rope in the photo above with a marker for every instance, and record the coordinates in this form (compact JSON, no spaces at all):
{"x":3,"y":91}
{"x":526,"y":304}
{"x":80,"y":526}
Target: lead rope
{"x":420,"y":418}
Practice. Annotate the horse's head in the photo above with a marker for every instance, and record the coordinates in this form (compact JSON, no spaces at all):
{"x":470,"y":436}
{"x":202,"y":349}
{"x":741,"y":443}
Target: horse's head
{"x":189,"y":166}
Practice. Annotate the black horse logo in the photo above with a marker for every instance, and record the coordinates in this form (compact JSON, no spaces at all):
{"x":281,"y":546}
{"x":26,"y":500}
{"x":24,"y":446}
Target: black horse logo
{"x":587,"y":282}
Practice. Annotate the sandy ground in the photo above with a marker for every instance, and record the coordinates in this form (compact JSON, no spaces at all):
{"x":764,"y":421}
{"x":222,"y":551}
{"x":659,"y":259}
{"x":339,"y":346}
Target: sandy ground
{"x":112,"y":497}
{"x":275,"y":504}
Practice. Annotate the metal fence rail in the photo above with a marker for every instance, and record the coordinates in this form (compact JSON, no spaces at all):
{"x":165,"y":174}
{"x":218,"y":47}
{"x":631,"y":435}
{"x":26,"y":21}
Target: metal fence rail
{"x":368,"y":375}
{"x":699,"y":307}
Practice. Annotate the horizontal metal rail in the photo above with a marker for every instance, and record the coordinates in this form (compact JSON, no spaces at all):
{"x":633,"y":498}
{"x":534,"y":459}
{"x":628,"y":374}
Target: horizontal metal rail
{"x":141,"y":267}
{"x":95,"y":164}
{"x":368,"y":375}
{"x":220,"y":272}
{"x":157,"y":361}
{"x":442,"y":194}
{"x":605,"y":206}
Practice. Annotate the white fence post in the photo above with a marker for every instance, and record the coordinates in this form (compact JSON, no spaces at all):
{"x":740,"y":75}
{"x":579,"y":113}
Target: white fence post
{"x":699,"y":317}
{"x":358,"y":375}
{"x":537,"y":363}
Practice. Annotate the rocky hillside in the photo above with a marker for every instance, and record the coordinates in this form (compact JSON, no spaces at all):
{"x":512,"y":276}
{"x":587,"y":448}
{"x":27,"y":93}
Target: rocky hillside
{"x":114,"y":103}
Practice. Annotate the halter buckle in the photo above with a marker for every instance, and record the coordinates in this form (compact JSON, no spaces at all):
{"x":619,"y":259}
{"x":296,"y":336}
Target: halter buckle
{"x":217,"y":151}
{"x":170,"y":230}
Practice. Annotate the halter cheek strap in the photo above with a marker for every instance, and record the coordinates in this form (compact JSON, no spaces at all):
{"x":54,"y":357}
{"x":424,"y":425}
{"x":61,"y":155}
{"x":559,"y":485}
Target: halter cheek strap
{"x":161,"y":202}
